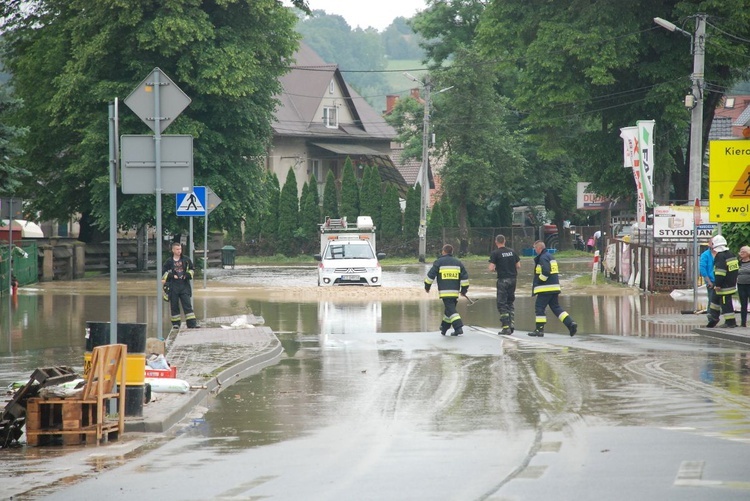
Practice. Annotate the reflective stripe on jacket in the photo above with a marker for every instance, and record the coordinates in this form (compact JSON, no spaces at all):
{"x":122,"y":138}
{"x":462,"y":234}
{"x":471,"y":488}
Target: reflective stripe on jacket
{"x":546,"y":279}
{"x":450,"y":274}
{"x":726,"y":268}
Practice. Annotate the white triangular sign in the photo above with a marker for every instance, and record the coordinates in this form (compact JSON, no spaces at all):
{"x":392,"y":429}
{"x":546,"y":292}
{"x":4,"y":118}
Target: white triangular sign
{"x":191,"y":203}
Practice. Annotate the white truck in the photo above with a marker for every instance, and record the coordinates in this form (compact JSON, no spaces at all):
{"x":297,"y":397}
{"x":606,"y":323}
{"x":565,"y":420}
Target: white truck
{"x":347,"y":253}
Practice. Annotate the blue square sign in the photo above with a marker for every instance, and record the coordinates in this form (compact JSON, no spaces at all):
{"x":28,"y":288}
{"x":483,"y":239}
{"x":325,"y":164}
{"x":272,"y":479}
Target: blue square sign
{"x":192,"y":203}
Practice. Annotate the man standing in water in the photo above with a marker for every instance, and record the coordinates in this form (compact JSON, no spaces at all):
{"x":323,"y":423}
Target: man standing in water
{"x":452,"y":279}
{"x":178,"y":271}
{"x":506,"y":263}
{"x":546,"y":288}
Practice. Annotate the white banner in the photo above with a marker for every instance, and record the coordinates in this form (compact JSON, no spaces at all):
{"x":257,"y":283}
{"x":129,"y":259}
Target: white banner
{"x":646,"y":157}
{"x":677,"y":222}
{"x":629,"y":136}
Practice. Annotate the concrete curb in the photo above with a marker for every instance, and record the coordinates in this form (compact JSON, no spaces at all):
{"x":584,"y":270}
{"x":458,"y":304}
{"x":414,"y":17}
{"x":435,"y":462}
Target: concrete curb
{"x":213,"y":386}
{"x":738,"y":334}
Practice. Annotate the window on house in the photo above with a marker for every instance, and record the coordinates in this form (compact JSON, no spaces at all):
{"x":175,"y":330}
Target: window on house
{"x":729,"y":103}
{"x":331,"y":87}
{"x":330,"y":117}
{"x":313,"y":168}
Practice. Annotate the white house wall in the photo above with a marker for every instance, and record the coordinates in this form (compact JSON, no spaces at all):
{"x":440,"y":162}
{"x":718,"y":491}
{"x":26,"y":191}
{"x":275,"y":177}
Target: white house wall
{"x":286,"y":153}
{"x":335,"y":99}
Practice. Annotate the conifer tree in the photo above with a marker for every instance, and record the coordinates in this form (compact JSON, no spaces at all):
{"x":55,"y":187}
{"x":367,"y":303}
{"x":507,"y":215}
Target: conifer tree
{"x":288,"y":216}
{"x":310,"y":217}
{"x":349,"y":193}
{"x":392,"y":218}
{"x":435,"y":224}
{"x":270,"y":220}
{"x":330,"y":197}
{"x":411,"y":213}
{"x":371,"y":199}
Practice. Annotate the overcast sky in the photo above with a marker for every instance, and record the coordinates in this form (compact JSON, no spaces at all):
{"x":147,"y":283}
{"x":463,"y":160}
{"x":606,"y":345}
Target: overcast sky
{"x":364,"y":13}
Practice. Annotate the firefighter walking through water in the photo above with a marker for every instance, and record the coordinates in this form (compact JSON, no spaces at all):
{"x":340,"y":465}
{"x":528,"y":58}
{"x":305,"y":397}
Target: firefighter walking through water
{"x":726,"y":269}
{"x":452,"y":279}
{"x":546,"y":288}
{"x":177,"y":273}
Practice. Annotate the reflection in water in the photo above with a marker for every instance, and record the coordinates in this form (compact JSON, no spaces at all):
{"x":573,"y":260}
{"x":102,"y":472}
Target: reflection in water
{"x":47,"y":326}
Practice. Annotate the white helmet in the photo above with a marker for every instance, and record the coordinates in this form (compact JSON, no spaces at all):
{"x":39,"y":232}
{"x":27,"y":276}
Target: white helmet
{"x":720,"y":243}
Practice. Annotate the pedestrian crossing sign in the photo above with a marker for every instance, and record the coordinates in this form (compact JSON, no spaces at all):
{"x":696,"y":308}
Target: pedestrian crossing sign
{"x":192,"y":203}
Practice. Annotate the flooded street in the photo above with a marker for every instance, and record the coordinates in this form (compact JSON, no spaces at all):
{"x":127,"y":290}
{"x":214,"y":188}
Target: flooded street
{"x":370,"y":402}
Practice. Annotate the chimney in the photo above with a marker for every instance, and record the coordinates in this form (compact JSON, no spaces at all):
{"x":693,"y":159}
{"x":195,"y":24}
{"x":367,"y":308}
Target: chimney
{"x":390,"y":102}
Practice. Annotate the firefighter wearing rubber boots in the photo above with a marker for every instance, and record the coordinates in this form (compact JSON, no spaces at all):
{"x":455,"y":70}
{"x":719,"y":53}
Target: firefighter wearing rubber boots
{"x":726,"y":269}
{"x":546,"y":288}
{"x":452,"y":280}
{"x":178,"y":273}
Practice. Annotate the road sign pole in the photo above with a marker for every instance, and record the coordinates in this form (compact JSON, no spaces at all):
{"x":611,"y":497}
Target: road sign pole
{"x":159,"y":242}
{"x":205,"y":250}
{"x":112,"y":225}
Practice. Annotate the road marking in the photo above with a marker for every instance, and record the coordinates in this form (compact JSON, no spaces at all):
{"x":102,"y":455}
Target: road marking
{"x":690,"y":474}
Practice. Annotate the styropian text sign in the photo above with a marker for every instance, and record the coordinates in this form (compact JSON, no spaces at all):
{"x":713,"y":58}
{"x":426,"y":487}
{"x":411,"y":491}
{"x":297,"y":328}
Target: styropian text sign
{"x":676,"y":222}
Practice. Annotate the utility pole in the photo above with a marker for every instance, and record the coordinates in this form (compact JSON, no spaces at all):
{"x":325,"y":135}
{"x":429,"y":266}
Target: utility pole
{"x":694,"y":100}
{"x":425,"y":179}
{"x":696,"y":117}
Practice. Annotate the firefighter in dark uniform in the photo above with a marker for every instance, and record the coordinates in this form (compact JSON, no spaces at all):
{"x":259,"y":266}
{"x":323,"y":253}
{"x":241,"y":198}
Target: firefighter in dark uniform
{"x":726,"y":269}
{"x":506,"y":263}
{"x":546,"y":288}
{"x":177,"y":273}
{"x":452,"y":280}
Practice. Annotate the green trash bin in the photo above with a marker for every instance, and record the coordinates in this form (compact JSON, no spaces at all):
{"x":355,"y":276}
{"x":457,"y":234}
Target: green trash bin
{"x":227,"y":256}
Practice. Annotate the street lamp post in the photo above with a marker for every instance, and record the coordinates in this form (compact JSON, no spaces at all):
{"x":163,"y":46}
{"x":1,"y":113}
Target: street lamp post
{"x":694,"y":100}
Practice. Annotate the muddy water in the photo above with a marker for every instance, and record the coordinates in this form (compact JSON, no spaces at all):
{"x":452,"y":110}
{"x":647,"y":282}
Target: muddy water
{"x":359,"y":381}
{"x":47,"y":321}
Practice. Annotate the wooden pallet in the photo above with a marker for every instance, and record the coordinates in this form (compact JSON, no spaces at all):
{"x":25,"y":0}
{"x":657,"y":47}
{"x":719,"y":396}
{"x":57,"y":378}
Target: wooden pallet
{"x":79,"y":420}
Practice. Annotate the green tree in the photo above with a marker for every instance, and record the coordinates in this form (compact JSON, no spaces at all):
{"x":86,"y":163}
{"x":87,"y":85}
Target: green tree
{"x":435,"y":225}
{"x":310,"y":216}
{"x":400,"y":41}
{"x":371,"y":195}
{"x":11,"y":175}
{"x":270,"y":219}
{"x":68,"y":59}
{"x":449,"y":214}
{"x":392,"y":222}
{"x":330,"y":197}
{"x":289,"y":215}
{"x":334,"y":41}
{"x":411,"y":213}
{"x":349,"y":193}
{"x":446,"y":26}
{"x":579,"y":75}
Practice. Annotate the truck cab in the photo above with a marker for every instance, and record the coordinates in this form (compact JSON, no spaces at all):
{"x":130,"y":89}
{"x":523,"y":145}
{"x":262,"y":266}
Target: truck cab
{"x":347,"y":254}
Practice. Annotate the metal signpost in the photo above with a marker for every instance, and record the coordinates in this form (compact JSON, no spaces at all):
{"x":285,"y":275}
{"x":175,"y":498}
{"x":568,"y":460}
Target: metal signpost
{"x":212,"y":201}
{"x":157,"y":101}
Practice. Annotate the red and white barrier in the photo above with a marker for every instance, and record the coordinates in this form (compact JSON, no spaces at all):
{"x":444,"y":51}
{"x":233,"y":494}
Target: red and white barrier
{"x":595,"y":267}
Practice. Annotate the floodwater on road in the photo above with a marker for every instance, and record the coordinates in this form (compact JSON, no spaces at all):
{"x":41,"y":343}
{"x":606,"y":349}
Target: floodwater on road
{"x":370,"y":402}
{"x":47,"y":322}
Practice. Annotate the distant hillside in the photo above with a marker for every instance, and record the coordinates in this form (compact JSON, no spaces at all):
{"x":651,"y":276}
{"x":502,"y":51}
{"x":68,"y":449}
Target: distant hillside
{"x":364,"y":55}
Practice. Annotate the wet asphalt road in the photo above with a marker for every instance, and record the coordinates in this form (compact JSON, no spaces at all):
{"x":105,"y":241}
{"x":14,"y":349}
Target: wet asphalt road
{"x":366,"y":406}
{"x":392,"y":416}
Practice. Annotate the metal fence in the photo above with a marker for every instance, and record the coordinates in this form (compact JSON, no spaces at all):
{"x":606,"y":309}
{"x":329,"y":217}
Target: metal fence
{"x":654,"y":266}
{"x":25,"y":269}
{"x":521,"y":239}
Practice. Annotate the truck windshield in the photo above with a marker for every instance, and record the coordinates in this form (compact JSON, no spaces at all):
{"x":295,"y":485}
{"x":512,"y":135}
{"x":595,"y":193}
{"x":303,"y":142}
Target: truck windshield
{"x":349,"y":251}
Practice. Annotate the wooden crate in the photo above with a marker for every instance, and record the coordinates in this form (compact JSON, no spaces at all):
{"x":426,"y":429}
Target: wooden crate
{"x":75,"y":421}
